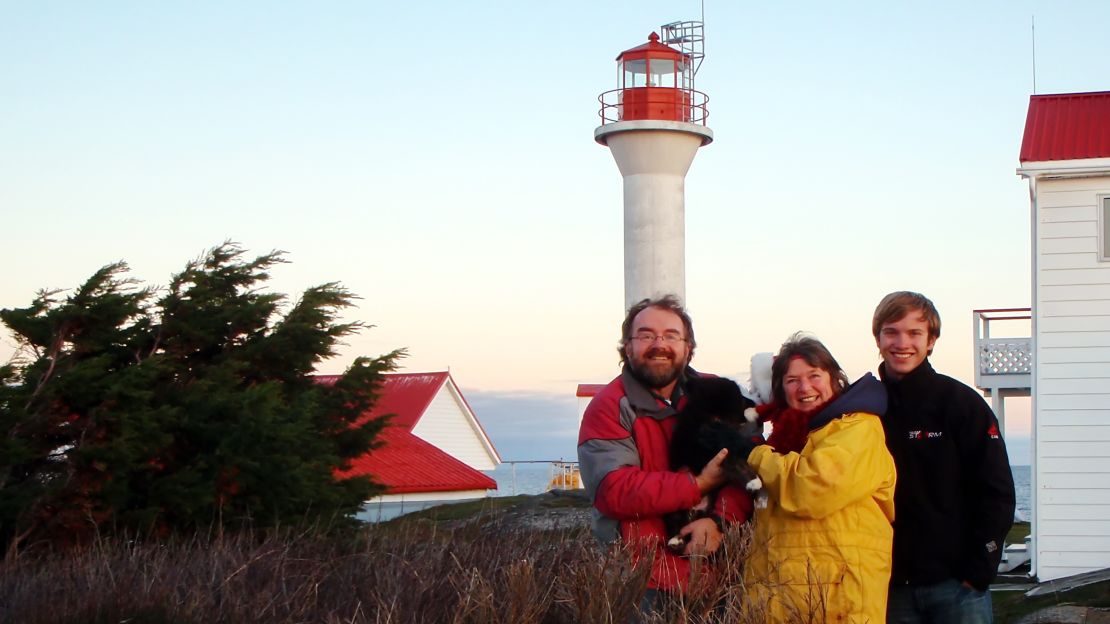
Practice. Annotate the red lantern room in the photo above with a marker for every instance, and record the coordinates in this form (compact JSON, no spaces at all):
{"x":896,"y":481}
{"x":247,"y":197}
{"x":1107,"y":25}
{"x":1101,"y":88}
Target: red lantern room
{"x":654,"y":82}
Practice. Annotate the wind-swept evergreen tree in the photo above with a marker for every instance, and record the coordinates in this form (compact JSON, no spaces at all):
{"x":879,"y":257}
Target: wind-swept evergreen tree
{"x":126,"y":410}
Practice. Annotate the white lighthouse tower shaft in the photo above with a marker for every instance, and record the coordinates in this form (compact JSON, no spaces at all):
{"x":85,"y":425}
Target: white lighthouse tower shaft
{"x":654,"y":124}
{"x":653,"y":162}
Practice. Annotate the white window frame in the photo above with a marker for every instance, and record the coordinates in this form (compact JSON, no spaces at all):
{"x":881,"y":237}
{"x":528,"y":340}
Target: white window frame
{"x":1103,"y":227}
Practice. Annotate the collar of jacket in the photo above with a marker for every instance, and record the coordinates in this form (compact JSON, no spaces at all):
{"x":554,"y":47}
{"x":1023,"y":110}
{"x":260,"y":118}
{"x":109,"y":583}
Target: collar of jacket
{"x":649,"y":402}
{"x":867,"y":394}
{"x":914,"y":379}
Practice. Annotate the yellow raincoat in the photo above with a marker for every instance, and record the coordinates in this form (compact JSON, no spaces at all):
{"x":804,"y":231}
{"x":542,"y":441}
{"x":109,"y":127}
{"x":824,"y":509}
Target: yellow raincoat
{"x":821,"y":549}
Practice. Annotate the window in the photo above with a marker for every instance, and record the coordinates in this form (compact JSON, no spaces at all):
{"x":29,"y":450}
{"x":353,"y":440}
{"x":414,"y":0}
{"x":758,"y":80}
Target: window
{"x":663,"y":72}
{"x":1104,"y":228}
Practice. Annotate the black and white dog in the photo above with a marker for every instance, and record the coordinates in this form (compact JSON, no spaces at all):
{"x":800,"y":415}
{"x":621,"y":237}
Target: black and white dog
{"x":713,"y":418}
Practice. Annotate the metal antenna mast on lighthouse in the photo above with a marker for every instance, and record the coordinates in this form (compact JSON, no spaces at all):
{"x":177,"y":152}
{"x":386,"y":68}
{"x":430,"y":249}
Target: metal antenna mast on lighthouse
{"x":689,"y":38}
{"x":654,"y":123}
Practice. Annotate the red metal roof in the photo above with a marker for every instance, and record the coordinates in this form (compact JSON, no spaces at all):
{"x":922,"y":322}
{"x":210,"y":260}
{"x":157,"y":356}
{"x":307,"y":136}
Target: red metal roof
{"x":1067,"y":126}
{"x":652,"y":49}
{"x":406,"y":463}
{"x":407,"y":395}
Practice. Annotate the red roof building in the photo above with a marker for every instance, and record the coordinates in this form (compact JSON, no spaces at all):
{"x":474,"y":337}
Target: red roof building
{"x":434,"y":447}
{"x":1065,"y":156}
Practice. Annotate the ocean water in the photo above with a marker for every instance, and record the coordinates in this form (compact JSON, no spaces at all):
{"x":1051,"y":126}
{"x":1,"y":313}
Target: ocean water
{"x":533,"y":478}
{"x":521,"y":478}
{"x":1022,"y":480}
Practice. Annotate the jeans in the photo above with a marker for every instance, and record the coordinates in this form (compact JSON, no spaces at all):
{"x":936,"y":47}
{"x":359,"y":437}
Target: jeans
{"x":653,"y":602}
{"x":946,"y":602}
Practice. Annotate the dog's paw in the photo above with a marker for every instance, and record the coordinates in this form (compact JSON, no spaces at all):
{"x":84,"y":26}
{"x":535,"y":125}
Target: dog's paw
{"x":751,"y":415}
{"x":760,"y":499}
{"x":754,"y":485}
{"x":676,"y":545}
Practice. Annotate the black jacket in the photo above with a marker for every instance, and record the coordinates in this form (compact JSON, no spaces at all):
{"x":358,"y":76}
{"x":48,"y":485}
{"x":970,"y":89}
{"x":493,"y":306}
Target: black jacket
{"x":954,"y":502}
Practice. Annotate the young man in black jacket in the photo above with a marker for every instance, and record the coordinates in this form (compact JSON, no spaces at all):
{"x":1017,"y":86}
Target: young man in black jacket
{"x":954,"y":501}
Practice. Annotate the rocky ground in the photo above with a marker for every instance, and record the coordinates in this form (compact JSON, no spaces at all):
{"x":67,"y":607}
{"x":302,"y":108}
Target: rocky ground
{"x":557,"y":509}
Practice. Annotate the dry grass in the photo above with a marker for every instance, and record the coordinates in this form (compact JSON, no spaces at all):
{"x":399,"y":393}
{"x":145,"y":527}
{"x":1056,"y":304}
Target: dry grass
{"x":415,"y":571}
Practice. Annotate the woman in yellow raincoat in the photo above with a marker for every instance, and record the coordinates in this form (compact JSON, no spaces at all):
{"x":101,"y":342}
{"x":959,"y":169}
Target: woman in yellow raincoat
{"x":822,"y":542}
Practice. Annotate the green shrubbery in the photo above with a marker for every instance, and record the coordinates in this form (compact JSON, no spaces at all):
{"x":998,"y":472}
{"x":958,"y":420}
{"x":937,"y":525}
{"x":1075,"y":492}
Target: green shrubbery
{"x":157,"y":411}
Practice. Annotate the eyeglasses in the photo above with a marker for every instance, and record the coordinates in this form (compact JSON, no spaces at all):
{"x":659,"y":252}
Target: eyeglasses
{"x":649,"y":339}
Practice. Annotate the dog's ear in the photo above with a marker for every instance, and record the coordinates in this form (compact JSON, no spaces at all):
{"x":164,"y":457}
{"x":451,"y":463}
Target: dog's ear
{"x":710,"y":387}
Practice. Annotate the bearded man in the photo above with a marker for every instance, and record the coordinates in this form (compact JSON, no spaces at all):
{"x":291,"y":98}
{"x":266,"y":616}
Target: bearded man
{"x":624,"y":457}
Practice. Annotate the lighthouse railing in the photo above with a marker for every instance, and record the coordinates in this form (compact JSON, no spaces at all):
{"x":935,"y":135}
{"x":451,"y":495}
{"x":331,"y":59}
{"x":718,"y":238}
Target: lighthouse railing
{"x":695,"y":110}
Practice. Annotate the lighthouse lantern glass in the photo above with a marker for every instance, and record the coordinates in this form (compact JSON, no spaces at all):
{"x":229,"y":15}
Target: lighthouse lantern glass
{"x":654,"y":72}
{"x":662,"y":73}
{"x":635,"y":73}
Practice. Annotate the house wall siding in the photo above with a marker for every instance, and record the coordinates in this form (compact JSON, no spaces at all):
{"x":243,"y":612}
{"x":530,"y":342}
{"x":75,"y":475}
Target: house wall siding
{"x":447,"y":424}
{"x":389,"y":506}
{"x":1072,"y":406}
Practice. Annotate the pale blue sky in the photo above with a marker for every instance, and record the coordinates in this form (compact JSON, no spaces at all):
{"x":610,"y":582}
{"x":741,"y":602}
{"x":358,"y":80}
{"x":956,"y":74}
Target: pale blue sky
{"x":437,"y":158}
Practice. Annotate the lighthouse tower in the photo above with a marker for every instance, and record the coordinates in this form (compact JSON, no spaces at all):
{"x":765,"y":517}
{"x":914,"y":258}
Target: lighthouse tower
{"x":654,"y":123}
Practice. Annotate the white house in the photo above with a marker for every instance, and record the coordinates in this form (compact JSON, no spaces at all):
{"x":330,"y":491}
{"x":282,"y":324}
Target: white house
{"x":1065,"y":156}
{"x":434,"y":449}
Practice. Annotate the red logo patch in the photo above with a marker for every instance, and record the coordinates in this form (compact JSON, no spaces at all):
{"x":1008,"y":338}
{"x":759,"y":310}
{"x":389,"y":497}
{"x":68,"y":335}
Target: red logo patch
{"x":993,"y":432}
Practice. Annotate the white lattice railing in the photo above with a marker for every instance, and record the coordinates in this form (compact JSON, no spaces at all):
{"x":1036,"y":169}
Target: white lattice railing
{"x":1002,"y":362}
{"x":1006,"y":356}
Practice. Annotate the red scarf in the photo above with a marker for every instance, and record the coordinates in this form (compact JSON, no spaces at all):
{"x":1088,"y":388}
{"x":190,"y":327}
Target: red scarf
{"x":790,"y":427}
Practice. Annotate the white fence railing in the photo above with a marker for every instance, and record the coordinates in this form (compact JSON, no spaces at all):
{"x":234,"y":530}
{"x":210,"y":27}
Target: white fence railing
{"x":1003,"y":362}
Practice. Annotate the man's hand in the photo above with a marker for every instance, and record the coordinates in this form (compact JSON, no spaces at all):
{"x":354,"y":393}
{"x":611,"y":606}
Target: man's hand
{"x":705,"y":537}
{"x":712,"y":476}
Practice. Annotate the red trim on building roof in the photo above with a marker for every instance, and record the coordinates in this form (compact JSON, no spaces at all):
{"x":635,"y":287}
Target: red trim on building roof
{"x":589,"y":390}
{"x":1067,"y":126}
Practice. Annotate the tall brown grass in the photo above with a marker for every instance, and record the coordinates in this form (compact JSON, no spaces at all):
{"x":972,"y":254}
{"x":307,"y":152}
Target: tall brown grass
{"x":477,"y":572}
